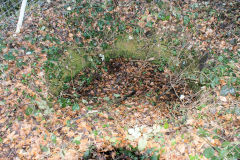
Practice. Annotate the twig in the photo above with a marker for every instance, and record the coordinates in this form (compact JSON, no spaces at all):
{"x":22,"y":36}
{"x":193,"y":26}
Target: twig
{"x":175,"y":91}
{"x":10,"y":153}
{"x":126,"y":96}
{"x":210,"y":144}
{"x":165,"y":92}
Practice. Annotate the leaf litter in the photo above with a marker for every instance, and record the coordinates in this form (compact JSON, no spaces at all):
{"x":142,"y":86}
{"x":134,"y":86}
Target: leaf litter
{"x":68,"y":134}
{"x":121,"y":79}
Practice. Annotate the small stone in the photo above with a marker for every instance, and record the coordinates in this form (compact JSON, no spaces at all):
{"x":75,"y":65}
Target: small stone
{"x":102,"y":57}
{"x":151,"y":59}
{"x":182,"y":97}
{"x":131,"y":131}
{"x":130,"y":37}
{"x":223,"y":99}
{"x":190,"y":122}
{"x":28,"y":53}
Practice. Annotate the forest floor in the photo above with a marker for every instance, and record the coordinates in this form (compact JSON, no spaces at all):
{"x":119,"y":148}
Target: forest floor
{"x":124,"y":108}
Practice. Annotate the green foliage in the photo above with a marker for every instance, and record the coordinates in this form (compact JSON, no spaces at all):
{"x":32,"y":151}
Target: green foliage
{"x":186,"y":20}
{"x":9,"y":56}
{"x":75,"y":107}
{"x":44,"y":148}
{"x":225,"y":90}
{"x":2,"y":45}
{"x":191,"y":157}
{"x":54,"y":138}
{"x":3,"y":68}
{"x":163,"y":16}
{"x":166,"y":125}
{"x":228,"y":150}
{"x":117,"y":95}
{"x":102,"y":23}
{"x":29,"y":111}
{"x":10,"y":7}
{"x":77,"y":140}
{"x":62,"y":68}
{"x":64,"y":102}
{"x":208,"y":152}
{"x":202,"y":133}
{"x":211,"y":75}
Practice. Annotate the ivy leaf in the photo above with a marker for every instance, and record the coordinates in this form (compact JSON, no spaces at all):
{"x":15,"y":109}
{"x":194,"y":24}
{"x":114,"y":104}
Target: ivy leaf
{"x":166,"y":125}
{"x":100,"y":24}
{"x":2,"y":103}
{"x":84,"y":101}
{"x":225,"y":90}
{"x":106,"y":98}
{"x":44,"y":148}
{"x":117,"y":95}
{"x":186,"y":20}
{"x":214,"y":82}
{"x":77,"y":140}
{"x":54,"y":138}
{"x":9,"y":56}
{"x":202,"y":133}
{"x":220,"y":58}
{"x":63,"y":102}
{"x":155,"y":157}
{"x":75,"y":107}
{"x":223,"y":153}
{"x":29,"y":111}
{"x":208,"y":152}
{"x":87,"y":154}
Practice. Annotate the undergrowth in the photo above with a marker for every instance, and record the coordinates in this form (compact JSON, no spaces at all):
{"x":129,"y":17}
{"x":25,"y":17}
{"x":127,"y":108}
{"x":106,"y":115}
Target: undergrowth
{"x":98,"y":31}
{"x":104,"y":31}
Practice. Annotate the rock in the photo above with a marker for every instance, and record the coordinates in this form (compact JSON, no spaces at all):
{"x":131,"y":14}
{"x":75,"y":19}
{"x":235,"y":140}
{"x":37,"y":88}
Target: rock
{"x":190,"y":122}
{"x":131,"y":131}
{"x":223,"y":99}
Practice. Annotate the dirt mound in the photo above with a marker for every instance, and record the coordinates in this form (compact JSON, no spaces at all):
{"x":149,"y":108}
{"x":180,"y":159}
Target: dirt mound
{"x":121,"y":79}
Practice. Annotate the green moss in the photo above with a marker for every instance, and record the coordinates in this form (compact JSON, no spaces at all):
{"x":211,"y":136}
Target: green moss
{"x":75,"y":60}
{"x":69,"y":65}
{"x":139,"y":49}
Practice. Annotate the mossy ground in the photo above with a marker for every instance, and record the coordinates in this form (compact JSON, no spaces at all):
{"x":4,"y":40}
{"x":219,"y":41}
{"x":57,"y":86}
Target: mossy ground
{"x":75,"y":59}
{"x":34,"y":128}
{"x":69,"y":65}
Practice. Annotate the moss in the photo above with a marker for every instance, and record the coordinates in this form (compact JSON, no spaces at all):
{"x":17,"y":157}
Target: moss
{"x":139,"y":49}
{"x":75,"y":60}
{"x":195,"y":87}
{"x":69,"y":65}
